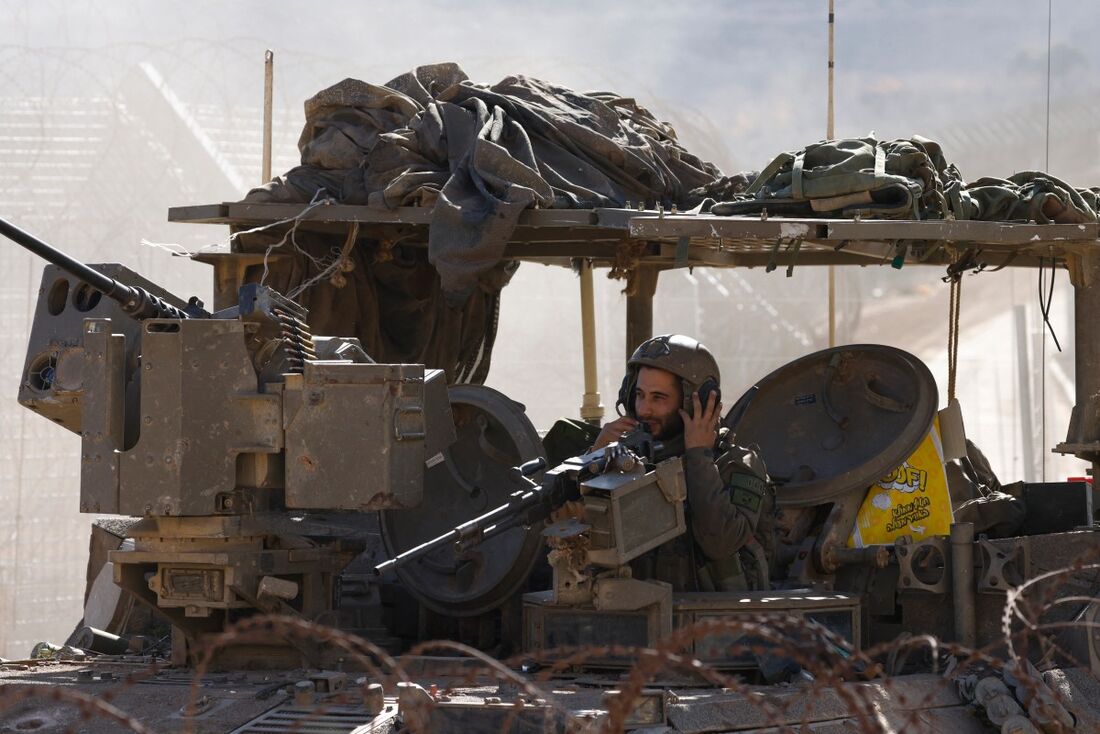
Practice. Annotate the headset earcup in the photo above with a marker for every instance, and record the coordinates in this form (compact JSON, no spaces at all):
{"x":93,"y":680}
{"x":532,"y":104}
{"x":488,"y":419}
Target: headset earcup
{"x":688,"y":391}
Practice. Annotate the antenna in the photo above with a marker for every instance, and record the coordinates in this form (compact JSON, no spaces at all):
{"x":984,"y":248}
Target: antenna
{"x":1053,"y":272}
{"x":829,"y":136}
{"x":1050,"y":14}
{"x":829,"y":117}
{"x":269,"y":79}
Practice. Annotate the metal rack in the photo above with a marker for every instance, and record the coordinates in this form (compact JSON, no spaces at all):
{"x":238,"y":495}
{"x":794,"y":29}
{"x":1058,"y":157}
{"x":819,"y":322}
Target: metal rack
{"x":640,"y":243}
{"x":654,"y":237}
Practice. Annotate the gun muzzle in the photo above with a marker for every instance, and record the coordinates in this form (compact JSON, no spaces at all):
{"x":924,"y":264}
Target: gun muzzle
{"x":135,"y":301}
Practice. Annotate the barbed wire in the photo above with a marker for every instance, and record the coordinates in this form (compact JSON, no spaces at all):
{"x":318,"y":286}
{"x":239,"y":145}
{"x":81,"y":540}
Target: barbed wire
{"x":872,"y":687}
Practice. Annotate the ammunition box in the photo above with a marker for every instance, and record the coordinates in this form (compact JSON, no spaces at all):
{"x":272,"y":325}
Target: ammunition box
{"x":631,"y":514}
{"x":547,"y":626}
{"x":354,"y":436}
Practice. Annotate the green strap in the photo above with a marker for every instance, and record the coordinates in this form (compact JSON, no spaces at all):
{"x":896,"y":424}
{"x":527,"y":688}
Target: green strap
{"x":774,"y":257}
{"x":957,"y":207}
{"x":793,"y":248}
{"x":768,"y":173}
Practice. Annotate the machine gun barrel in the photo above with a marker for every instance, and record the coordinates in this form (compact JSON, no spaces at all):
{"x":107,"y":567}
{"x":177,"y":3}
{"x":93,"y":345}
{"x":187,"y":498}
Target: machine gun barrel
{"x":525,"y":506}
{"x":135,"y":301}
{"x":536,"y":502}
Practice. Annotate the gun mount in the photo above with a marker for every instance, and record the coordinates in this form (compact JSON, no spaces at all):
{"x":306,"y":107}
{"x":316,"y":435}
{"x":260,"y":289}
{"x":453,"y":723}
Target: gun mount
{"x":626,"y":507}
{"x":214,"y":427}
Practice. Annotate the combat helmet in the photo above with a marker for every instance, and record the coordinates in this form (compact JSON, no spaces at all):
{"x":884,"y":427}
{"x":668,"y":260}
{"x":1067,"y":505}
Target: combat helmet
{"x":681,"y":355}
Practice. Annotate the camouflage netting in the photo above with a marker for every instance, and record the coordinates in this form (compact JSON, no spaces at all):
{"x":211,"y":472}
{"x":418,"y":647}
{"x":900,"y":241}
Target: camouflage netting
{"x":477,"y":155}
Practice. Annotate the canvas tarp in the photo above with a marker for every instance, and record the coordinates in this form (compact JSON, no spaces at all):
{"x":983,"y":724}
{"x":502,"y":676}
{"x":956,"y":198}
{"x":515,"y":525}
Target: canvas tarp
{"x":477,"y":155}
{"x":480,"y":154}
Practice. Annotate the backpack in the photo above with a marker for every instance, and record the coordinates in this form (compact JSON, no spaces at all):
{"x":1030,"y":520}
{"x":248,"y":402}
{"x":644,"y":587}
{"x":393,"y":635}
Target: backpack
{"x":897,"y":179}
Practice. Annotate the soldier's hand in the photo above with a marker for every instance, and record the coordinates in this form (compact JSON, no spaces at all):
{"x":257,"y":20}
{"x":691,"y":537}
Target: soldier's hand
{"x":614,"y":430}
{"x":701,"y":427}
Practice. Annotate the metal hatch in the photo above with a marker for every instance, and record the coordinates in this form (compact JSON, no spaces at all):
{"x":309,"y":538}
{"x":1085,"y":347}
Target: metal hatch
{"x":836,"y":420}
{"x":474,"y":476}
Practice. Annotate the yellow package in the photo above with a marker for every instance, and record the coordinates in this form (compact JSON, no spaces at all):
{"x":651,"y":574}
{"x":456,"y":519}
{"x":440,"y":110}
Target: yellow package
{"x":912,"y":500}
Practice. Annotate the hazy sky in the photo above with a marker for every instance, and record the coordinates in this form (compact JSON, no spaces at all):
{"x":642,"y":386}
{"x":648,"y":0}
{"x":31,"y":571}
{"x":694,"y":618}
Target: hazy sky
{"x":742,"y":79}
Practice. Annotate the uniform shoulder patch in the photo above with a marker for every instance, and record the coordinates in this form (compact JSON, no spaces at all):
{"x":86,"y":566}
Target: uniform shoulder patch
{"x":746,"y":490}
{"x":746,"y":498}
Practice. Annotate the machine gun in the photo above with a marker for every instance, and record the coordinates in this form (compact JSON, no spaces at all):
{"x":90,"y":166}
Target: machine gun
{"x":134,"y":300}
{"x":629,"y":508}
{"x":536,"y":501}
{"x":214,"y":428}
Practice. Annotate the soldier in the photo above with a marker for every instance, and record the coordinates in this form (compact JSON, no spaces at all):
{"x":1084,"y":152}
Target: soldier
{"x":672,"y":387}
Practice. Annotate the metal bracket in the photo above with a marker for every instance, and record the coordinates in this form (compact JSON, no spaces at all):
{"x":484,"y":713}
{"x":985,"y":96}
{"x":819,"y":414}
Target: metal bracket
{"x":1005,"y":564}
{"x":923,"y":565}
{"x":682,"y":246}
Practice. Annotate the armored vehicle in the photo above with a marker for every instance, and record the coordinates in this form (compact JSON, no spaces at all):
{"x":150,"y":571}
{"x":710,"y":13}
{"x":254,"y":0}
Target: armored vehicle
{"x":255,"y":501}
{"x":350,"y":532}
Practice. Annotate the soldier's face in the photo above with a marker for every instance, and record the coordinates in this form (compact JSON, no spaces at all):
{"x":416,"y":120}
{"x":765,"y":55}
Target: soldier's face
{"x":657,"y":402}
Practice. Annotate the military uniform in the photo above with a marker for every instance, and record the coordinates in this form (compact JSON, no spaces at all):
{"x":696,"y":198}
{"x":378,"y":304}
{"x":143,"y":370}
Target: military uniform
{"x":730,"y":543}
{"x":730,"y":504}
